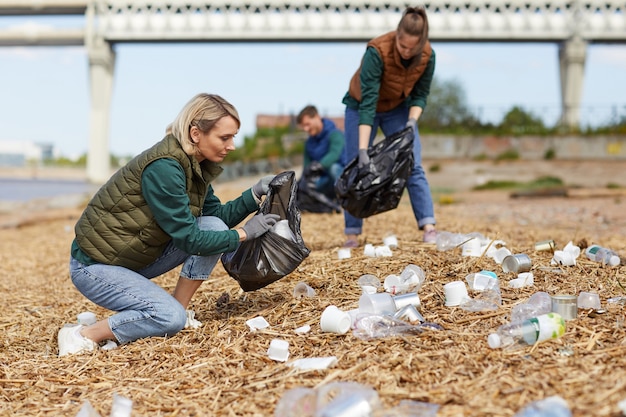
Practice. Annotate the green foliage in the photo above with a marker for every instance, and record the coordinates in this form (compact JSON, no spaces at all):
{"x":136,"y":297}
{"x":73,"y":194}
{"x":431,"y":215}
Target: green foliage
{"x":447,"y":109}
{"x":435,"y":168}
{"x":549,"y":154}
{"x":539,"y":183}
{"x":508,"y":155}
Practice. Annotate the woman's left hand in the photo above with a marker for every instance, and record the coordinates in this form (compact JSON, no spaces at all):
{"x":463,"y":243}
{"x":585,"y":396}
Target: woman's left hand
{"x":262,"y":187}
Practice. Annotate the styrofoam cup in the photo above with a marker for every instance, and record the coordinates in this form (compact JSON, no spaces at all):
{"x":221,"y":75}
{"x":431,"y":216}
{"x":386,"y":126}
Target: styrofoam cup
{"x":343,"y":253}
{"x":278,"y":350}
{"x":455,"y":292}
{"x":369,"y":250}
{"x":391,"y":241}
{"x":334,"y":320}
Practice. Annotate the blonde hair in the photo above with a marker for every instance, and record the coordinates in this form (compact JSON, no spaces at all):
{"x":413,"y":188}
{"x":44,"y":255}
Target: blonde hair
{"x":202,"y":111}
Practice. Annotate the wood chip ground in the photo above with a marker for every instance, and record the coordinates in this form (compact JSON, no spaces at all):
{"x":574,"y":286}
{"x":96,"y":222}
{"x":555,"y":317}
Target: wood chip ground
{"x":222,"y":368}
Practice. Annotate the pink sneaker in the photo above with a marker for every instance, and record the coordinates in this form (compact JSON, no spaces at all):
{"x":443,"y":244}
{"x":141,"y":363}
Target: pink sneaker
{"x":351,"y":243}
{"x":430,"y":236}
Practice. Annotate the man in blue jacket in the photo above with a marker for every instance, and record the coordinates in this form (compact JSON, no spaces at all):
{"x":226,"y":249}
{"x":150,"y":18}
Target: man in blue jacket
{"x":322,"y":150}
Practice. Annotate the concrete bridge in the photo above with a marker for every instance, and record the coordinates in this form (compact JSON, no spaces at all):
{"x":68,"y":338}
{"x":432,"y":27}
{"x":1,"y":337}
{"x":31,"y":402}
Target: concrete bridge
{"x":573,"y":24}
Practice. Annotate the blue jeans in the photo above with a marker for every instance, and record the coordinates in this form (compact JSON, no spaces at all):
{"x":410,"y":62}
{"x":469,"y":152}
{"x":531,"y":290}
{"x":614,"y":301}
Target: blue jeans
{"x":143,"y":308}
{"x":419,"y":191}
{"x":326,"y":183}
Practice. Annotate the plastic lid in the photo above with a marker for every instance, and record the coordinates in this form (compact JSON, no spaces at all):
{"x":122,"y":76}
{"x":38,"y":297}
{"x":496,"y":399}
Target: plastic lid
{"x":494,"y":340}
{"x":614,"y":260}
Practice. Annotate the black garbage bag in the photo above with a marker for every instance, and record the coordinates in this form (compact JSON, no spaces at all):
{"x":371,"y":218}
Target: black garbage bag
{"x":310,"y":198}
{"x":378,"y":187}
{"x":258,"y":262}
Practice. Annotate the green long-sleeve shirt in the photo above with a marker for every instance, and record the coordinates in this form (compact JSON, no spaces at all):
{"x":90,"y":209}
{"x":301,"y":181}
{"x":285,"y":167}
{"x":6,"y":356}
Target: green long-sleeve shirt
{"x":163,"y":187}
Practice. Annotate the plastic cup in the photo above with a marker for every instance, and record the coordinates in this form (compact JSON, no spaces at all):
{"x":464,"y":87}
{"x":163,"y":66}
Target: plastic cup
{"x":334,"y":320}
{"x":369,"y":250}
{"x":471,"y":248}
{"x":343,"y":253}
{"x":393,"y":284}
{"x":380,"y":303}
{"x":278,"y":350}
{"x":413,"y":275}
{"x":589,"y":300}
{"x":368,"y":283}
{"x":303,"y":290}
{"x":500,"y":253}
{"x":455,"y":292}
{"x":563,"y":258}
{"x":382,"y":251}
{"x":391,"y":241}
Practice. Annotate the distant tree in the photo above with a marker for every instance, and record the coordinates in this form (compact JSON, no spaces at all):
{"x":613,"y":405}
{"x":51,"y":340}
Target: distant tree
{"x":447,"y":108}
{"x":519,"y":121}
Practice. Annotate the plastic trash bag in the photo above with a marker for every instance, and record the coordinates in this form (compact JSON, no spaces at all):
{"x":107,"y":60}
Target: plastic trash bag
{"x":258,"y":262}
{"x":377,"y":187}
{"x":310,"y":198}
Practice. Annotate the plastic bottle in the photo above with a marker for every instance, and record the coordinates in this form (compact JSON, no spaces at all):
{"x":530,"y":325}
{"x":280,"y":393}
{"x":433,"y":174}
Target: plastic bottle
{"x":539,"y":303}
{"x":528,"y":332}
{"x":554,"y":406}
{"x":599,"y":254}
{"x":448,"y":240}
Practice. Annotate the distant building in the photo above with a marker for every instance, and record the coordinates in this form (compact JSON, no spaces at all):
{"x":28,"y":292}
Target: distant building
{"x":20,"y":153}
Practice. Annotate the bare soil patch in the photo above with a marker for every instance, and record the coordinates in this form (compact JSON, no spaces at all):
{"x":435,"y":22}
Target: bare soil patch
{"x":222,"y":368}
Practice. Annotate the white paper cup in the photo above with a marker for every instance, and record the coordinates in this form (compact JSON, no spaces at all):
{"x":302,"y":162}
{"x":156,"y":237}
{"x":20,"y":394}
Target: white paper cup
{"x":278,"y":350}
{"x":471,"y":248}
{"x":343,"y":253}
{"x":334,"y":320}
{"x":455,"y":292}
{"x":369,"y":250}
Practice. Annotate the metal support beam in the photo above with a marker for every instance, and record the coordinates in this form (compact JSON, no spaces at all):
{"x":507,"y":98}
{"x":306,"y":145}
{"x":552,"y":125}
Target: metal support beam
{"x":101,"y":71}
{"x":572,"y":54}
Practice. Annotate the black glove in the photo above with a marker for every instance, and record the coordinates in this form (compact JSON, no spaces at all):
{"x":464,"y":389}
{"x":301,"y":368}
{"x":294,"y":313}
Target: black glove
{"x":364,"y":159}
{"x":259,"y":224}
{"x":412,"y":123}
{"x":260,"y":188}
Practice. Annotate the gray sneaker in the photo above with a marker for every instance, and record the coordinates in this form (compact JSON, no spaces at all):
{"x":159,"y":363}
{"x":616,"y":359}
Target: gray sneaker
{"x":71,"y":341}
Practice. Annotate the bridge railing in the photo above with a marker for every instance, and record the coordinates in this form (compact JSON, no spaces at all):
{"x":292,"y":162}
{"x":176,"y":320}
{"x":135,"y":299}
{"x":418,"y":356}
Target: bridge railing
{"x":455,"y":20}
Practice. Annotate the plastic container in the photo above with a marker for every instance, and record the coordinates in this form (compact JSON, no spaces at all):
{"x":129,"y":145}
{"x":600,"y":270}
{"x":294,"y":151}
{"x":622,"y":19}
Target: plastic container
{"x":539,"y":303}
{"x":528,"y":332}
{"x":380,"y":303}
{"x":448,"y":240}
{"x":565,"y":305}
{"x":599,"y":254}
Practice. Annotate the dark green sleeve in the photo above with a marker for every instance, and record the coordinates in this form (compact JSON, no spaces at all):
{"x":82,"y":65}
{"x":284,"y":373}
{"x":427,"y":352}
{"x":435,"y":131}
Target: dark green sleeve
{"x":335,"y":148}
{"x":421,"y":89}
{"x":163,"y":187}
{"x":371,"y":74}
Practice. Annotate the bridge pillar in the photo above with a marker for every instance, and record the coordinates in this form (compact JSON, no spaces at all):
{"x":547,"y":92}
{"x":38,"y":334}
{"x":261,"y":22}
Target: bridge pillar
{"x":101,"y":68}
{"x":572,"y":54}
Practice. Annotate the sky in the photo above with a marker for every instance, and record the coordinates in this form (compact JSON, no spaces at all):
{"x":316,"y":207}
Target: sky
{"x":45,"y":92}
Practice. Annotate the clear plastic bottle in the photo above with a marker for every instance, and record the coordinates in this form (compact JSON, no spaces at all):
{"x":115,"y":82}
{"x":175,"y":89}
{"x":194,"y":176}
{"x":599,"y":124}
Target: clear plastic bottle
{"x":539,"y":303}
{"x":448,"y":240}
{"x":554,"y":406}
{"x":528,"y":332}
{"x":599,"y":254}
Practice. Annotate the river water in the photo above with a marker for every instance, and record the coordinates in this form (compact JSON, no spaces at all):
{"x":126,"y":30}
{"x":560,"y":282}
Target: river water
{"x":22,"y":189}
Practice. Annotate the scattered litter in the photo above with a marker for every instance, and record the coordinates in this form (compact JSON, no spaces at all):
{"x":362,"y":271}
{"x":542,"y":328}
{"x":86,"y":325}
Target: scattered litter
{"x":314,"y":364}
{"x":257,"y":323}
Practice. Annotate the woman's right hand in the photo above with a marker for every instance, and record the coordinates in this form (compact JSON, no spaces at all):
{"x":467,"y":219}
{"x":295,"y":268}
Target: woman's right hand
{"x":259,"y":224}
{"x":364,"y":159}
